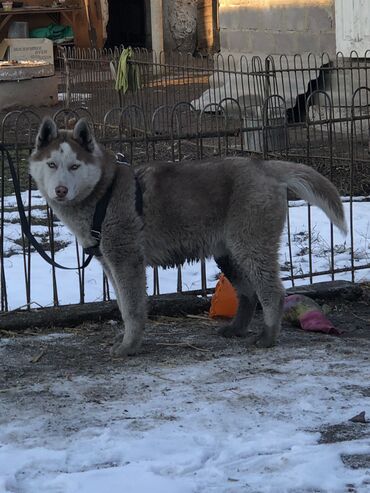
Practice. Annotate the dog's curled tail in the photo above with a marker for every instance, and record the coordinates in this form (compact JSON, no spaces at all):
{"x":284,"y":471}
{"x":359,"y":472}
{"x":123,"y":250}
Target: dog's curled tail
{"x":314,"y":188}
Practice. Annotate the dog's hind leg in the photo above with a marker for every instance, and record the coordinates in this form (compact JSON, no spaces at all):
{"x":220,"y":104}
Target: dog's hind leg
{"x":264,"y":274}
{"x":239,"y":326}
{"x":253,"y":240}
{"x":247,"y":298}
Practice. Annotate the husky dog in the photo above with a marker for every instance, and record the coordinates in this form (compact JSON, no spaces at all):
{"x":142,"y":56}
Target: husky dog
{"x":232,"y":208}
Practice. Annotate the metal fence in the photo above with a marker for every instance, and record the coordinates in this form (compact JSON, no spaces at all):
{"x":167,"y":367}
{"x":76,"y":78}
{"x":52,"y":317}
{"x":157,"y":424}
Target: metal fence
{"x":198,"y":108}
{"x":318,"y":88}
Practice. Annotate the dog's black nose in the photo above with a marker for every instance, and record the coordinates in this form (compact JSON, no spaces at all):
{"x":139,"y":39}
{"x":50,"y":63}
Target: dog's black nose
{"x":61,"y":191}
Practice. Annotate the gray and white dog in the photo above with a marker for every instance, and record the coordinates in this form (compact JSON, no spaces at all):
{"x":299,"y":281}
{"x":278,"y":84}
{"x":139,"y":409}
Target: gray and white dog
{"x":231,"y":208}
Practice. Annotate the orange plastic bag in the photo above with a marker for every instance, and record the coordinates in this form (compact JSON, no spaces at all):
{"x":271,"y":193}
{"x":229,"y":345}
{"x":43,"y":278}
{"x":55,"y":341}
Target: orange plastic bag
{"x":224,"y":302}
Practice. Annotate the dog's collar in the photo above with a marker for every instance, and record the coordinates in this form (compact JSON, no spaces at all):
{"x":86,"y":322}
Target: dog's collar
{"x":101,"y":210}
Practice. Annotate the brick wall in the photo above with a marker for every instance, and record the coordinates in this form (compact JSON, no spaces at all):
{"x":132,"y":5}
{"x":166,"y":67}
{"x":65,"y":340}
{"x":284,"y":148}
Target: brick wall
{"x":275,"y":27}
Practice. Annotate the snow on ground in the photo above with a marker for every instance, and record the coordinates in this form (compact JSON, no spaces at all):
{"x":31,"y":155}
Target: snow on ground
{"x":68,"y":281}
{"x":252,"y":423}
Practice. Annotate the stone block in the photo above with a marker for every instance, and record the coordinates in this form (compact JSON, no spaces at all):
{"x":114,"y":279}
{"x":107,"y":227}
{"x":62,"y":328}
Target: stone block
{"x":308,"y":42}
{"x":225,"y":18}
{"x":250,"y":19}
{"x":320,"y":20}
{"x":15,"y":71}
{"x":263,"y":42}
{"x":327,"y":43}
{"x":273,"y":19}
{"x":33,"y":92}
{"x":295,"y":19}
{"x":239,"y":41}
{"x":286,"y":42}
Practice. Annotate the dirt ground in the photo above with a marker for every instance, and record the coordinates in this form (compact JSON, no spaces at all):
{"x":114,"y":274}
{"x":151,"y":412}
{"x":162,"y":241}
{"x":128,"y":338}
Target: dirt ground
{"x":41,"y":356}
{"x":167,"y":340}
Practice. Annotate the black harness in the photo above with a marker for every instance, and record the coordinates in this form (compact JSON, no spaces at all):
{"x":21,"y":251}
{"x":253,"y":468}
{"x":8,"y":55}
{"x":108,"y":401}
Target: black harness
{"x":101,"y":210}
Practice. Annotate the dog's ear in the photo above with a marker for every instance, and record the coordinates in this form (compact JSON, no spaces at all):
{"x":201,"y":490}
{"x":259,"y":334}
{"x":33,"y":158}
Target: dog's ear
{"x":83,"y":135}
{"x":48,"y":131}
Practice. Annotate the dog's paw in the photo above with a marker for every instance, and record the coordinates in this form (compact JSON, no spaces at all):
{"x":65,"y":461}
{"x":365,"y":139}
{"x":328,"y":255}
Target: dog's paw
{"x":118,"y":338}
{"x":261,"y":340}
{"x":265,"y":341}
{"x":232,"y":331}
{"x":252,"y":340}
{"x":122,"y":348}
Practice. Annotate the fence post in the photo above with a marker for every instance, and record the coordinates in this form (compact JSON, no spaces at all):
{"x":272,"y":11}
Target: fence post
{"x":156,"y":16}
{"x":68,"y":77}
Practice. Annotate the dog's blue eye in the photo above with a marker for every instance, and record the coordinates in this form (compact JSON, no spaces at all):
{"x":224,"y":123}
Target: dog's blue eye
{"x":75,"y":166}
{"x":52,"y":165}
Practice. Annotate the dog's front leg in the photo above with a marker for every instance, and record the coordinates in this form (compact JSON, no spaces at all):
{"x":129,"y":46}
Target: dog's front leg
{"x":128,"y":276}
{"x":118,"y":338}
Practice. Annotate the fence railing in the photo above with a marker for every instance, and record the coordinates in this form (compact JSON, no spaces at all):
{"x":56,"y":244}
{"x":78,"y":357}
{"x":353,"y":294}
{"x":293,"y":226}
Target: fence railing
{"x":303,"y":85}
{"x":318,"y":130}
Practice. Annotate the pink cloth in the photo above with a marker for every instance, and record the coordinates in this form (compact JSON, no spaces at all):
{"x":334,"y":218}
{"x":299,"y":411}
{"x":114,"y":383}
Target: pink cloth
{"x":316,"y":321}
{"x":300,"y":309}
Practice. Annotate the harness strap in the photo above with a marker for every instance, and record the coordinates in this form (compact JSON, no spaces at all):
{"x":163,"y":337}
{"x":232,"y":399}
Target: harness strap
{"x":99,"y":215}
{"x":24,"y":221}
{"x":101,"y":210}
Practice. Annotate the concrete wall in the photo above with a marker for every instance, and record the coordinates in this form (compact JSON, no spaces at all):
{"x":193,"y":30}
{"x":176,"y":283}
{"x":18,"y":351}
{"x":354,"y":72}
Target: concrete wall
{"x":277,"y":26}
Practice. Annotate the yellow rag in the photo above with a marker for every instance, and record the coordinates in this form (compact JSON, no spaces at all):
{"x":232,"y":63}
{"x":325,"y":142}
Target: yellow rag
{"x":128,"y":74}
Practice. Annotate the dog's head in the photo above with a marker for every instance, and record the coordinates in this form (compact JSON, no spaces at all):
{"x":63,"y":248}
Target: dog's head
{"x":66,"y":164}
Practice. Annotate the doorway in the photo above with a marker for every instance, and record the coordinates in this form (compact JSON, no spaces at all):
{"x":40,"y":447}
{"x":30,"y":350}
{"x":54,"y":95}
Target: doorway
{"x":127,"y":23}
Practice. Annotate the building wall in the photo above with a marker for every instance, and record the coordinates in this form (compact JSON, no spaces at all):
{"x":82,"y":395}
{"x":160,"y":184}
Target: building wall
{"x":277,"y":26}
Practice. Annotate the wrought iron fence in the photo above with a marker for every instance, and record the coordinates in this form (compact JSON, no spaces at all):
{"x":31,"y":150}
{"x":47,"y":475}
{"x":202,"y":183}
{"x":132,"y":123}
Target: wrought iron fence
{"x":318,"y":88}
{"x":327,"y":128}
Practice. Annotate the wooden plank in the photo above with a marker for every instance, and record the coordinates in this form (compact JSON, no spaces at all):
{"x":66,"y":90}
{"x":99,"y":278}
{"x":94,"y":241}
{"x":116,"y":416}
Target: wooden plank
{"x":81,"y":27}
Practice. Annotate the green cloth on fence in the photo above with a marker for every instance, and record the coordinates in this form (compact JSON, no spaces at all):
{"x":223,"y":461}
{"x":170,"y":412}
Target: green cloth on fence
{"x":54,"y":32}
{"x":128,"y":75}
